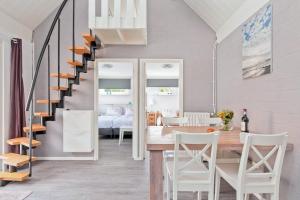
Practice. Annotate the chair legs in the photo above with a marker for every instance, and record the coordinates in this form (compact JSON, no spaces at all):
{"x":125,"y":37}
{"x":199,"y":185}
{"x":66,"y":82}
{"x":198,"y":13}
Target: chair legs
{"x":174,"y":194}
{"x":217,"y":186}
{"x":239,"y":195}
{"x":168,"y":187}
{"x":275,"y":196}
{"x":199,"y":197}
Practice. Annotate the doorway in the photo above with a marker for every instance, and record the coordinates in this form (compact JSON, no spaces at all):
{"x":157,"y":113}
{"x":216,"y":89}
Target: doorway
{"x":161,"y":93}
{"x":116,"y":103}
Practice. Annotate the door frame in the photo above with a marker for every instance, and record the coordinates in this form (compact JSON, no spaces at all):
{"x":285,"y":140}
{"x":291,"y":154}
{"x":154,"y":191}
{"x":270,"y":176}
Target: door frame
{"x":135,"y":81}
{"x":142,"y":121}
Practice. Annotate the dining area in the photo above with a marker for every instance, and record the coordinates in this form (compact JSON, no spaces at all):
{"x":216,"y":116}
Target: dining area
{"x":195,"y":152}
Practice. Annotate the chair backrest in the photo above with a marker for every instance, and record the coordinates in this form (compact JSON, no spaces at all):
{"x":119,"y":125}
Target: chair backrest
{"x":174,"y":121}
{"x":208,"y":142}
{"x":194,"y":118}
{"x":274,"y":147}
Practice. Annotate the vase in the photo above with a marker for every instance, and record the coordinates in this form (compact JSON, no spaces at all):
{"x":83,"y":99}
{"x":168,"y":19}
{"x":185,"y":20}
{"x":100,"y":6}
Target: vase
{"x":227,"y":126}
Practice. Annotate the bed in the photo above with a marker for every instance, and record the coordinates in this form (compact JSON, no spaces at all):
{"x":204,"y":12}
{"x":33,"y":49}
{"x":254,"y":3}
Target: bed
{"x":112,"y":117}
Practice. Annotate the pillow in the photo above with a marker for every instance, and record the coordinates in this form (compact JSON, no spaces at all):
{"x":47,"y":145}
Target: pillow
{"x":128,"y":111}
{"x":114,"y":111}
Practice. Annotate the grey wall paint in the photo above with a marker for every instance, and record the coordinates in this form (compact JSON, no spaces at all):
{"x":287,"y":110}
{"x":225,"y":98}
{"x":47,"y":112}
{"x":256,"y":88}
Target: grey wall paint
{"x":272,"y":100}
{"x":174,"y":31}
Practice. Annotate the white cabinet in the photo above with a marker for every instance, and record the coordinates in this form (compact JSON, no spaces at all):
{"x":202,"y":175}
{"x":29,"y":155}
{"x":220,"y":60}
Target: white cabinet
{"x":78,"y":130}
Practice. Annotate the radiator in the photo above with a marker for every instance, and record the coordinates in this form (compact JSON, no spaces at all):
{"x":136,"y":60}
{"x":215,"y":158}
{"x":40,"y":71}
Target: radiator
{"x":78,"y":130}
{"x":196,"y":118}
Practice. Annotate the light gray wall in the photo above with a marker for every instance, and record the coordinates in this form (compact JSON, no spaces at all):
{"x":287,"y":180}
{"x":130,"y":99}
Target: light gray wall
{"x":174,"y":31}
{"x":272,"y":100}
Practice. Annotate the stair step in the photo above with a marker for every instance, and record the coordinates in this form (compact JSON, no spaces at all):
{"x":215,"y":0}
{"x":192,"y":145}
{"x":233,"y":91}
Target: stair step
{"x":65,"y":75}
{"x":88,"y":37}
{"x":87,"y":44}
{"x":15,"y":176}
{"x":35,"y":128}
{"x":75,"y":63}
{"x":16,"y":160}
{"x":23,"y":141}
{"x":42,"y":114}
{"x":61,"y":88}
{"x":62,"y":75}
{"x":45,"y":101}
{"x":80,"y":50}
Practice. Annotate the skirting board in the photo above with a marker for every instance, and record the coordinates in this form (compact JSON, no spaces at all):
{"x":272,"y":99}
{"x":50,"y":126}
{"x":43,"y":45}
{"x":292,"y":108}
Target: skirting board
{"x":65,"y":158}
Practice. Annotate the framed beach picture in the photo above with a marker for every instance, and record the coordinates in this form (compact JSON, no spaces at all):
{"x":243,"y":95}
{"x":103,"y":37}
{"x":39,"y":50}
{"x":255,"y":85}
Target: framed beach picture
{"x":257,"y":44}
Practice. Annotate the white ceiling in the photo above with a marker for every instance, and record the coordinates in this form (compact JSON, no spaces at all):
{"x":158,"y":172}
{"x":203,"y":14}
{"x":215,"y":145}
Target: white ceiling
{"x":29,"y":12}
{"x":157,"y":71}
{"x":117,"y":70}
{"x":215,"y":12}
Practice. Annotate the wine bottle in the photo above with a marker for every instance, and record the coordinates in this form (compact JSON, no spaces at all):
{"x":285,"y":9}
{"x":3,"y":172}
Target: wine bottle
{"x":245,"y":122}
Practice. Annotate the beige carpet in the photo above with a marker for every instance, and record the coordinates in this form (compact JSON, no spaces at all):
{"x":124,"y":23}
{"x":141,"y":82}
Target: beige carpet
{"x":13,"y":195}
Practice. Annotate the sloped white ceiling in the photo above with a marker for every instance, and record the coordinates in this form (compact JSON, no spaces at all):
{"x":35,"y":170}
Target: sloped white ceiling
{"x":215,"y":12}
{"x":29,"y":12}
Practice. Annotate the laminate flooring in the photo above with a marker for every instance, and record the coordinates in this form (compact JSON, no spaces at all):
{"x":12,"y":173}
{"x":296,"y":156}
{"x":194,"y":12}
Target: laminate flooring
{"x":115,"y":176}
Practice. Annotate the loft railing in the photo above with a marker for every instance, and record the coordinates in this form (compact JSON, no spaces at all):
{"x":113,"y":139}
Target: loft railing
{"x":129,"y":14}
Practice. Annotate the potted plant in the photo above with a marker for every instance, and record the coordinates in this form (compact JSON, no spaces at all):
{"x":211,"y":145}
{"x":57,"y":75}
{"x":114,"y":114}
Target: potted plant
{"x":226,"y":116}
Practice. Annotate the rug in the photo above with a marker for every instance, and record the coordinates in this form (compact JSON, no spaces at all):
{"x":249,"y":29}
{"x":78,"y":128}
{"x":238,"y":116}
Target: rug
{"x":13,"y":195}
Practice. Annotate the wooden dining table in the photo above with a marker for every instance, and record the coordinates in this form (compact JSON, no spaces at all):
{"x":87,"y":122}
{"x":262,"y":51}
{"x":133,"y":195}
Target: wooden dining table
{"x":160,"y":139}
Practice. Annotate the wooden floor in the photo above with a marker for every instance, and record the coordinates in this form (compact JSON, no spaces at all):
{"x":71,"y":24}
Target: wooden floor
{"x":114,"y":177}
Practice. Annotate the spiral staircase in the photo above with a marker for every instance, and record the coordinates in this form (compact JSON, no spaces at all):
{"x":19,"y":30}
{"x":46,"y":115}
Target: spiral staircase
{"x":18,"y":166}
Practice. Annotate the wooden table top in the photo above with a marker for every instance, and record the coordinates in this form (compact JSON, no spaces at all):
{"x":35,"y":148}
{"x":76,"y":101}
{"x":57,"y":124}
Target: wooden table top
{"x":161,"y":138}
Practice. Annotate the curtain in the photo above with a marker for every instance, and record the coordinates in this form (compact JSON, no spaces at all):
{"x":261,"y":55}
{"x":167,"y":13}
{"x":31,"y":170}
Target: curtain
{"x":17,"y":101}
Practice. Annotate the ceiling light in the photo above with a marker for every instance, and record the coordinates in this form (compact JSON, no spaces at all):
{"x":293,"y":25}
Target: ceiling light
{"x":107,"y":66}
{"x":167,"y":66}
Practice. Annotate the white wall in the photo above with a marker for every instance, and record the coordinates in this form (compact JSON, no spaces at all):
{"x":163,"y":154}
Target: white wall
{"x":10,"y":27}
{"x":1,"y":99}
{"x":5,"y":94}
{"x":248,"y":8}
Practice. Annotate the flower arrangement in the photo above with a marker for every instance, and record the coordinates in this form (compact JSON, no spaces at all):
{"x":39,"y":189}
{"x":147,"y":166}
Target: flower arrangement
{"x":226,"y":116}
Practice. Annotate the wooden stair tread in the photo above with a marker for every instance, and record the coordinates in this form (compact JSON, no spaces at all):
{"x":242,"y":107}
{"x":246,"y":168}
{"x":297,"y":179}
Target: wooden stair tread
{"x":35,"y":128}
{"x":62,"y":75}
{"x":42,"y":114}
{"x":75,"y":63}
{"x":45,"y":101}
{"x":16,"y":160}
{"x":61,"y":88}
{"x":65,"y":75}
{"x":88,"y":37}
{"x":23,"y":141}
{"x":80,"y":50}
{"x":15,"y":176}
{"x":88,"y":44}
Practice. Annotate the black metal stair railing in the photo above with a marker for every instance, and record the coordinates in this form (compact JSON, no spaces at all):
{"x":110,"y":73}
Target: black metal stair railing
{"x":49,"y":93}
{"x":52,"y":106}
{"x":40,"y":58}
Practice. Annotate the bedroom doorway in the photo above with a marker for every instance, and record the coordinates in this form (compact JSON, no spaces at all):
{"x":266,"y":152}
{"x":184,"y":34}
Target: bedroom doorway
{"x":161,"y":93}
{"x":116,"y":103}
